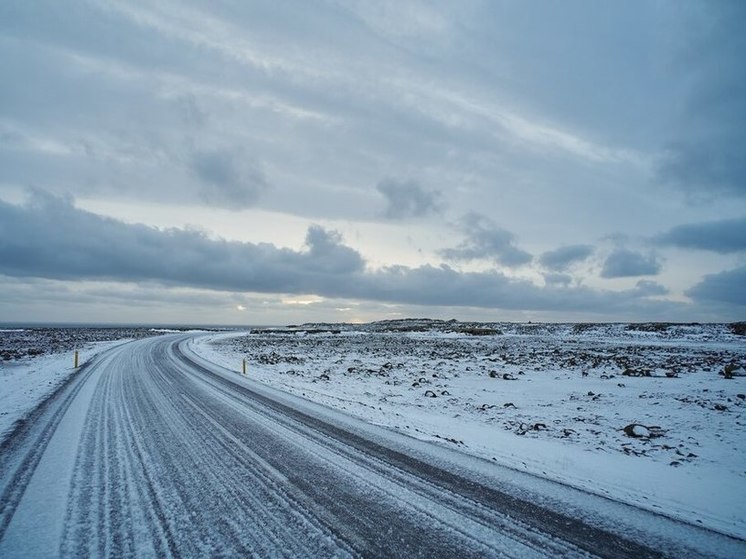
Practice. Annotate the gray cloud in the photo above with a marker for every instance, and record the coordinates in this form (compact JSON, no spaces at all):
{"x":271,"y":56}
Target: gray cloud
{"x":146,"y":108}
{"x":50,"y":238}
{"x":724,"y":287}
{"x":486,"y":240}
{"x":706,"y":157}
{"x":724,"y":236}
{"x":408,"y":199}
{"x":557,"y":279}
{"x":327,"y":253}
{"x":562,"y":258}
{"x":649,"y":288}
{"x":444,"y":286}
{"x":623,"y":263}
{"x":707,"y":167}
{"x":227,"y":179}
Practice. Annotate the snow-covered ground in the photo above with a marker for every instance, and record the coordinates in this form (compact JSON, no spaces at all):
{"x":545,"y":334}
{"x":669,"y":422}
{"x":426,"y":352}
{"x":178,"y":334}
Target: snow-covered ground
{"x":34,"y":362}
{"x":547,"y":399}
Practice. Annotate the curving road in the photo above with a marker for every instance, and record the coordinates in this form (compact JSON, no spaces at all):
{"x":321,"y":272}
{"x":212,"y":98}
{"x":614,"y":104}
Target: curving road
{"x":150,"y":451}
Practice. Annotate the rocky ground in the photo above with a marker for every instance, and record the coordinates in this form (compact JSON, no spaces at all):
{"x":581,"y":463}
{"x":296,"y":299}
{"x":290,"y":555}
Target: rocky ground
{"x":673,"y":393}
{"x":21,"y":343}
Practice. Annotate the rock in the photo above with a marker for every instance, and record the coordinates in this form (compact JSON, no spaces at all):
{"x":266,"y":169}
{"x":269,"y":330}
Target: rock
{"x":430,"y":394}
{"x":628,"y":372}
{"x":733,"y":370}
{"x":638,"y":431}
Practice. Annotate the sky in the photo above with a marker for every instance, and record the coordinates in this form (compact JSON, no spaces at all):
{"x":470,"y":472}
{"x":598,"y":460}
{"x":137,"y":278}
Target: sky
{"x":263,"y":162}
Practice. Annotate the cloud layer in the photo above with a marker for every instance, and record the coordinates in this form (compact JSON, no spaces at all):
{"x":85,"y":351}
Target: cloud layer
{"x":50,"y":238}
{"x":228,"y":179}
{"x":724,"y":287}
{"x":484,"y":239}
{"x":625,"y":263}
{"x":562,"y":258}
{"x":706,"y":158}
{"x":408,"y":199}
{"x":724,"y":236}
{"x":472,"y":133}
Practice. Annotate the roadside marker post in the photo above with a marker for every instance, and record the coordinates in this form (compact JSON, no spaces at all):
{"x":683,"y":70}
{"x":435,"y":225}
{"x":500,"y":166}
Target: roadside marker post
{"x":244,"y":367}
{"x":75,"y":359}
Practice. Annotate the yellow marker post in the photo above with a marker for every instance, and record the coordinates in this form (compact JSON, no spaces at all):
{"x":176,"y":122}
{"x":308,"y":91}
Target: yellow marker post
{"x":76,"y":359}
{"x":244,"y":367}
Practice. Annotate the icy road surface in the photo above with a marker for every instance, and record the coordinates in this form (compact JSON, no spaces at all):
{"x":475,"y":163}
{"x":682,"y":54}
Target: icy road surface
{"x":151,"y":451}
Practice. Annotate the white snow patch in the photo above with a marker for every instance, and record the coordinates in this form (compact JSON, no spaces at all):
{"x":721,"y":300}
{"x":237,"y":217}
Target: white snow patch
{"x":25,"y":383}
{"x":563,"y":417}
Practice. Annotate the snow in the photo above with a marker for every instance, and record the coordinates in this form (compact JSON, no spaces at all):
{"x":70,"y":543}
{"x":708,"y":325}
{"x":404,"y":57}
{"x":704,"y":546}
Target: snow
{"x":45,"y":498}
{"x":646,"y":417}
{"x":34,"y":362}
{"x":641,"y":431}
{"x":551,"y":400}
{"x":25,"y":383}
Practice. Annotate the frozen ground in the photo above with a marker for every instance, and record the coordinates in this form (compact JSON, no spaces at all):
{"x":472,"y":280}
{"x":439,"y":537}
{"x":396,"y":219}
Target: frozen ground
{"x":647,"y":414}
{"x":34,"y":362}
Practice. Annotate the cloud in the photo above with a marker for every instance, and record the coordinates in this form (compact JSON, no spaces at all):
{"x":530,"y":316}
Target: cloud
{"x":649,"y":288}
{"x":557,"y":279}
{"x":486,"y":240}
{"x":327,"y":253}
{"x":227,"y":179}
{"x":724,"y":236}
{"x":562,"y":258}
{"x":49,"y":238}
{"x":705,"y":158}
{"x":724,"y":287}
{"x":624,"y":263}
{"x":445,"y":286}
{"x":706,"y":167}
{"x":408,"y":199}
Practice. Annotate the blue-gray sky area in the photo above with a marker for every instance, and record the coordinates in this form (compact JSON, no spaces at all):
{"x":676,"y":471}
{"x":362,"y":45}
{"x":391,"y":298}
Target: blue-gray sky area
{"x":262,"y":162}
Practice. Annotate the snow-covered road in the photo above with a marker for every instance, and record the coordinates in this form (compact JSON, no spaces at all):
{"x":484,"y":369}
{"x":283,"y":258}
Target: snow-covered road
{"x":151,"y":451}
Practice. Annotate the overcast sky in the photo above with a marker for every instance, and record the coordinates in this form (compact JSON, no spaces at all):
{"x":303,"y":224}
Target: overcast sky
{"x":264,"y":162}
